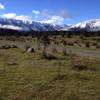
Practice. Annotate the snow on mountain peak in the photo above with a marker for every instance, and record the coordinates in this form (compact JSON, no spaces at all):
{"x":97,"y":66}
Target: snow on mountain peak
{"x":92,"y":24}
{"x":25,"y":24}
{"x":22,"y":23}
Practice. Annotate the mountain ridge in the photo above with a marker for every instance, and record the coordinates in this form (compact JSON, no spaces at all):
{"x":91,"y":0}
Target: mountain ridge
{"x":24,"y":25}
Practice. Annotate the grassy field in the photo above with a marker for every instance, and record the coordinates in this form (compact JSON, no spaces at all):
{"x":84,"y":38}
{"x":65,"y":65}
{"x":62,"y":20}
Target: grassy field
{"x":91,"y":43}
{"x":27,"y":76}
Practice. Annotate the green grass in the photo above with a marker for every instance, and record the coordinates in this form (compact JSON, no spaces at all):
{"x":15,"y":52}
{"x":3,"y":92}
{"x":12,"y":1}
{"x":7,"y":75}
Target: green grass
{"x":25,"y":76}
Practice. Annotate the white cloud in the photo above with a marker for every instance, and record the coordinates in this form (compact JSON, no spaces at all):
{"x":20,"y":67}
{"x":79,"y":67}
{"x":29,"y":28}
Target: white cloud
{"x":9,"y":15}
{"x":53,"y":20}
{"x":36,"y":12}
{"x":41,"y":16}
{"x":17,"y":17}
{"x":23,"y":17}
{"x":11,"y":27}
{"x":58,"y":18}
{"x":2,"y":7}
{"x":46,"y":17}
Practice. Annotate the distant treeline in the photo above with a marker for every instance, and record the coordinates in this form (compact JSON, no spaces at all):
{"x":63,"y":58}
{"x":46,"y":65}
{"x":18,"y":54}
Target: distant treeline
{"x":10,"y":32}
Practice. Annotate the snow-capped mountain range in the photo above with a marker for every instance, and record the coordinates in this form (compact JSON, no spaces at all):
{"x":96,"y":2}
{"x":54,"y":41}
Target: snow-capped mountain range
{"x":21,"y":25}
{"x":90,"y":25}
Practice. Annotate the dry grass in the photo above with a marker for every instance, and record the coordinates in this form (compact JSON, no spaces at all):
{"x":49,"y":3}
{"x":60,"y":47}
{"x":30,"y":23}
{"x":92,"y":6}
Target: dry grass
{"x":25,"y":76}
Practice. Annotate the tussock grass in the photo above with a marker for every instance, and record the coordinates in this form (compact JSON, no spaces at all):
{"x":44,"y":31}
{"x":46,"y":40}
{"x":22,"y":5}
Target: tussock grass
{"x":25,"y":76}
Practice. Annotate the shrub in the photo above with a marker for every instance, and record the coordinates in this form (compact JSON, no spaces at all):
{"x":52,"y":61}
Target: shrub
{"x":65,"y":52}
{"x":64,"y":42}
{"x":69,"y":35}
{"x":6,"y":47}
{"x":82,"y":37}
{"x":54,"y":50}
{"x":76,"y":42}
{"x":14,"y":46}
{"x":87,"y":44}
{"x":70,"y":44}
{"x":48,"y":56}
{"x":97,"y":46}
{"x":78,"y":64}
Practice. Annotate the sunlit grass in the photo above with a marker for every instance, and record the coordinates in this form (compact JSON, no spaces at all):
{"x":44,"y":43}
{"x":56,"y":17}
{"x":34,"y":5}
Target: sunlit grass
{"x":27,"y":76}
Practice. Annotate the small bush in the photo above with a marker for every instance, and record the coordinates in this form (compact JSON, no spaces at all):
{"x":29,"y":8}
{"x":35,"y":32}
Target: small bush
{"x":54,"y":50}
{"x":78,"y":64}
{"x":64,"y":42}
{"x":12,"y":64}
{"x":97,"y":46}
{"x":14,"y":46}
{"x":6,"y":47}
{"x":80,"y":67}
{"x":82,"y":37}
{"x":70,"y":44}
{"x":76,"y":42}
{"x":87,"y":44}
{"x":48,"y":56}
{"x":94,"y":44}
{"x":64,"y":52}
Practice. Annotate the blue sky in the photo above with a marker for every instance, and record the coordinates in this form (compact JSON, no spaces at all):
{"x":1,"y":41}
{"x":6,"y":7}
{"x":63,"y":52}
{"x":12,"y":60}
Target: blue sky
{"x":51,"y":11}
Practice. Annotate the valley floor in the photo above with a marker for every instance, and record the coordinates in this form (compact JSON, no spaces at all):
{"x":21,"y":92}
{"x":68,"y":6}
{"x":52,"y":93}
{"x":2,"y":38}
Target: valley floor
{"x":27,"y":76}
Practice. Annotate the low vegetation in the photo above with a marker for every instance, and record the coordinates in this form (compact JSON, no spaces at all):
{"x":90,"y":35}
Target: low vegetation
{"x":42,"y":68}
{"x":27,"y":76}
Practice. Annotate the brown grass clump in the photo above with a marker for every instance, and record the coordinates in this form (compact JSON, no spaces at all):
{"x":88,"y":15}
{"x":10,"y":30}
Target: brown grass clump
{"x":65,"y":52}
{"x":54,"y":50}
{"x":78,"y":64}
{"x":48,"y":56}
